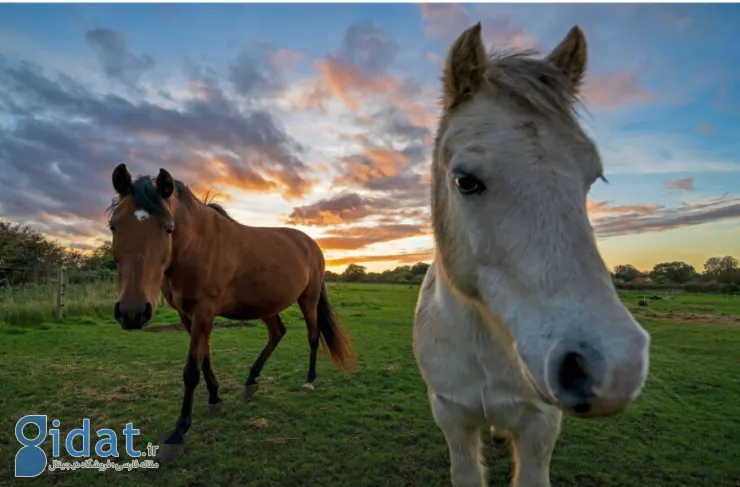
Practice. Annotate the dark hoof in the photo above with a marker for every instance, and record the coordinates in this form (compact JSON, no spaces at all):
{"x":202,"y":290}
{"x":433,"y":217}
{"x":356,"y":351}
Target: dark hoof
{"x":250,"y":390}
{"x":307,"y":387}
{"x":214,"y":409}
{"x":170,"y":452}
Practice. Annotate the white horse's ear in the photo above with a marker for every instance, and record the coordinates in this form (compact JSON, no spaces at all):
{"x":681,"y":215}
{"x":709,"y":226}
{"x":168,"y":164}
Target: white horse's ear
{"x":465,"y":67}
{"x":571,"y":56}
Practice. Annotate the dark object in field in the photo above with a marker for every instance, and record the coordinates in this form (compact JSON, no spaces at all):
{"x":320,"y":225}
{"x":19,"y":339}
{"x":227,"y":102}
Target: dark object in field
{"x":642,"y":302}
{"x":655,"y":297}
{"x":215,"y":266}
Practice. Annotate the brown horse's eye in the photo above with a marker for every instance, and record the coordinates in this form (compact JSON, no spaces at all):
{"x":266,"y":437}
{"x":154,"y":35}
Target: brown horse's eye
{"x":169,"y":230}
{"x":112,"y":228}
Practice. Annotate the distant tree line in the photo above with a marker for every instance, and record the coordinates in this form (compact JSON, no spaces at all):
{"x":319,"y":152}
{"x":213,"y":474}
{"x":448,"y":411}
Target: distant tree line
{"x":27,"y":255}
{"x":405,"y":274}
{"x":720,"y":275}
{"x":22,"y":248}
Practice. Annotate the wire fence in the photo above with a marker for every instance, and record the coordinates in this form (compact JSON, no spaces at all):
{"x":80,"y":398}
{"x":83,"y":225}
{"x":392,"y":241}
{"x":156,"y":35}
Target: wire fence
{"x":48,"y":293}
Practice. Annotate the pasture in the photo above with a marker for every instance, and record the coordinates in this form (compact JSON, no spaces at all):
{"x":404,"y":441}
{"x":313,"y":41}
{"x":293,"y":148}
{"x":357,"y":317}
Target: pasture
{"x":372,"y":428}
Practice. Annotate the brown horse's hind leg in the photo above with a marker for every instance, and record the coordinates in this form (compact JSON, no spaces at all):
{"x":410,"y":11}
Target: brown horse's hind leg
{"x":308,"y":306}
{"x":276,"y":331}
{"x":200,"y":338}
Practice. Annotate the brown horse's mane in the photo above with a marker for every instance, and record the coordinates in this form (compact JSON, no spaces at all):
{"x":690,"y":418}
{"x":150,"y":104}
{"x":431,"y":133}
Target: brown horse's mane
{"x":146,"y":197}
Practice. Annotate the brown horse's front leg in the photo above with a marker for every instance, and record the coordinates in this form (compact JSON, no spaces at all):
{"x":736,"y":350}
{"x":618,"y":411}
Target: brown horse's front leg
{"x":200,"y":337}
{"x":214,"y":400}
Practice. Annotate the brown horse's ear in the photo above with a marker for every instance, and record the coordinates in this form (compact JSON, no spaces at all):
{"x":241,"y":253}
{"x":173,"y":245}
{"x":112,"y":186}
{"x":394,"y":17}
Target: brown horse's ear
{"x":465,"y":67}
{"x":122,"y":180}
{"x":571,"y":56}
{"x":165,"y":184}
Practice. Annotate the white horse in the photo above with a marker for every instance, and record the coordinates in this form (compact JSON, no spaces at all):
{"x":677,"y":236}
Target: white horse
{"x":517,"y":319}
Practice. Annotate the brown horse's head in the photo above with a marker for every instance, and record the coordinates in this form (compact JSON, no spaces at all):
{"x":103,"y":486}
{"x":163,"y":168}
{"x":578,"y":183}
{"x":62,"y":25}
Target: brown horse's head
{"x":142,"y":224}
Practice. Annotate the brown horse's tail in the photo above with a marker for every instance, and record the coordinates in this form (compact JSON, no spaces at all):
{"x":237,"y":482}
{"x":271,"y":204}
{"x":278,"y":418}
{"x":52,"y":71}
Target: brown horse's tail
{"x":333,"y":336}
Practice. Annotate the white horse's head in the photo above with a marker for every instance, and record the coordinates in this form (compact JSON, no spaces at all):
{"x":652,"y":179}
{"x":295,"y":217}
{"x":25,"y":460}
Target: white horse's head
{"x":512,"y":168}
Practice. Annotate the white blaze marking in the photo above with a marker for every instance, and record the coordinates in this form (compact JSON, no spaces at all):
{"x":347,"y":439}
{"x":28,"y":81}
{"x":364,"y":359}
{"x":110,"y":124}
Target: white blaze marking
{"x":141,"y":215}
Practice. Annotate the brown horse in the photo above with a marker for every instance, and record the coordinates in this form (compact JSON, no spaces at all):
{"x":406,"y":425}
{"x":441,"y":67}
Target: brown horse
{"x":206,"y":265}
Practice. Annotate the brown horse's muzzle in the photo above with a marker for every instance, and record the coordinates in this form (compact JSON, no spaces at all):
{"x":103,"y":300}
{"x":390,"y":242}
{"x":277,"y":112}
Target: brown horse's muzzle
{"x":133,"y":319}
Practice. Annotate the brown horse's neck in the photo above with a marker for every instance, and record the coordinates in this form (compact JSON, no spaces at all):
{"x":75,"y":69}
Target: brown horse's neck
{"x":193,"y":222}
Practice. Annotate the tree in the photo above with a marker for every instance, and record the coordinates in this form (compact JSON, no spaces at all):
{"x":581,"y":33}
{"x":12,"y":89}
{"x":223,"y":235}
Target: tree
{"x":420,"y":269}
{"x":722,"y":269}
{"x":331,"y":276}
{"x":354,"y":272}
{"x":626,"y":272}
{"x":677,"y":272}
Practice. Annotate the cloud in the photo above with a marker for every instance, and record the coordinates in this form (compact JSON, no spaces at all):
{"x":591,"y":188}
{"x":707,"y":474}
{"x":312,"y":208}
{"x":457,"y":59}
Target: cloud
{"x":117,"y":61}
{"x":445,"y":22}
{"x":260,"y":69}
{"x":358,"y":237}
{"x":367,"y":49}
{"x":357,"y":70}
{"x":286,"y":59}
{"x":57,"y":153}
{"x":379,"y":171}
{"x":604,"y":208}
{"x":706,"y":128}
{"x":615,"y":90}
{"x":685,"y":184}
{"x":343,"y":208}
{"x":631,"y":220}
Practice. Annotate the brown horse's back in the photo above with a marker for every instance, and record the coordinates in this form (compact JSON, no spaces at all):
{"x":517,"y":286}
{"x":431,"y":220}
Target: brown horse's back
{"x":245,"y":272}
{"x":274,"y":268}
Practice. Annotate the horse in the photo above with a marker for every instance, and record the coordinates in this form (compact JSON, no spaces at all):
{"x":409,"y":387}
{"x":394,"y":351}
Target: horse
{"x":517,"y":321}
{"x":206,"y":264}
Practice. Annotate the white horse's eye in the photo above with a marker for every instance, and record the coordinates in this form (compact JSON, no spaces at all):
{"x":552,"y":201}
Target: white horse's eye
{"x":468,"y":184}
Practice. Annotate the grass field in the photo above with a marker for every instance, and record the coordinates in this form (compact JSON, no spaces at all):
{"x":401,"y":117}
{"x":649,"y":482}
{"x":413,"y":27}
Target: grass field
{"x":372,"y":428}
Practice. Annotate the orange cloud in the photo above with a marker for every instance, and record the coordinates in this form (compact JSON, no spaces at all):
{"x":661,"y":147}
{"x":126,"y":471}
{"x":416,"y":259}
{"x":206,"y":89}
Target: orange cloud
{"x":348,"y":85}
{"x":410,"y":258}
{"x":373,"y":164}
{"x":685,"y":184}
{"x":612,"y":91}
{"x":344,"y":208}
{"x":214,"y":172}
{"x":604,"y":208}
{"x":359,"y":237}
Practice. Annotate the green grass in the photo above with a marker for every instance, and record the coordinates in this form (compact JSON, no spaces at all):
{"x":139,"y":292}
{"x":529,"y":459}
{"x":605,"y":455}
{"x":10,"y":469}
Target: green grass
{"x":685,"y":303}
{"x":372,"y":428}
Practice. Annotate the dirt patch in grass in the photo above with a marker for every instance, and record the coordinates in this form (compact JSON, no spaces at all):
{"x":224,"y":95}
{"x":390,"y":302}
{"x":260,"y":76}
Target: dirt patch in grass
{"x":221,"y":324}
{"x":718,"y":319}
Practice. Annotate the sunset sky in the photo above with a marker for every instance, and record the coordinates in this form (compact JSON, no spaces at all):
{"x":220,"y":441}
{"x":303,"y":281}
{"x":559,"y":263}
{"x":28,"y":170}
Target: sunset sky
{"x":322,"y":116}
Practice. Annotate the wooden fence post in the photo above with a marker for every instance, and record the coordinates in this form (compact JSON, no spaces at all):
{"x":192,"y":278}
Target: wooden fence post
{"x":161,"y":299}
{"x":60,"y":295}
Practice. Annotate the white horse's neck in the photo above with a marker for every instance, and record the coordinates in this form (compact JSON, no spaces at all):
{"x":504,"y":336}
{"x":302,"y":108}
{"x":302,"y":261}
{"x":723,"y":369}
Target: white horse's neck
{"x":471,"y":323}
